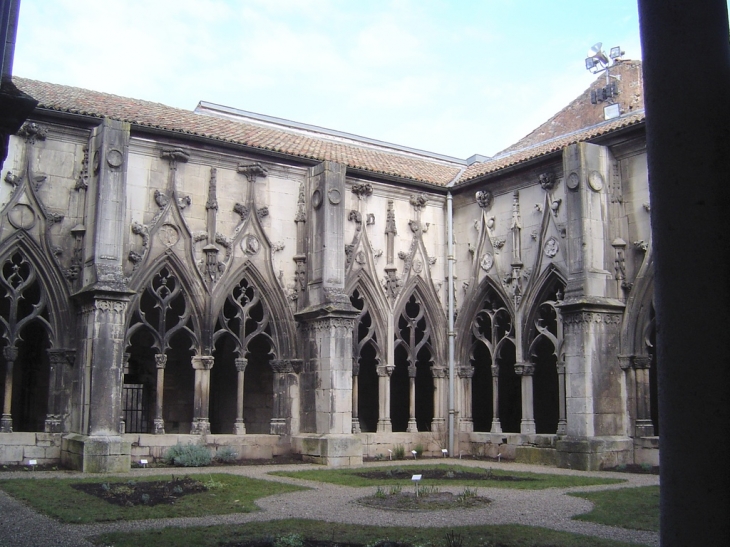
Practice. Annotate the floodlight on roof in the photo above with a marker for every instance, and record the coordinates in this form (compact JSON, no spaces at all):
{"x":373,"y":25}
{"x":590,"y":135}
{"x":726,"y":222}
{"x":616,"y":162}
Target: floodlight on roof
{"x":597,"y":53}
{"x":616,"y":53}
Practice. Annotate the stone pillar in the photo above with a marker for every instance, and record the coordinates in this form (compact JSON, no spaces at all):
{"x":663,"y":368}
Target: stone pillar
{"x":526,"y":371}
{"x":58,"y":359}
{"x":412,"y":424}
{"x":282,"y":412}
{"x":6,"y":422}
{"x":239,"y":428}
{"x":355,"y":397}
{"x":562,"y":419}
{"x":466,"y":418}
{"x":384,"y":374}
{"x":202,"y":365}
{"x":440,"y":394}
{"x":626,"y":362}
{"x":644,"y":425}
{"x":159,"y":421}
{"x":496,"y":424}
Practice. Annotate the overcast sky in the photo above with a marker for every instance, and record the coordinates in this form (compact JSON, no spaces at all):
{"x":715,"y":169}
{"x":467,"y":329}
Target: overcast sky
{"x":457,"y":77}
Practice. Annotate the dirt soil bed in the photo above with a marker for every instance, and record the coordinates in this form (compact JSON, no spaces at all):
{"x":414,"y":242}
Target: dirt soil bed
{"x":407,"y":501}
{"x":440,"y":474}
{"x":312,"y":543}
{"x":131,"y":493}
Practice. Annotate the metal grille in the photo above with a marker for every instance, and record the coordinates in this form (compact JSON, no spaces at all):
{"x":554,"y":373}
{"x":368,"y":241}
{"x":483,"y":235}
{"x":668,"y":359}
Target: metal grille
{"x":135,"y":408}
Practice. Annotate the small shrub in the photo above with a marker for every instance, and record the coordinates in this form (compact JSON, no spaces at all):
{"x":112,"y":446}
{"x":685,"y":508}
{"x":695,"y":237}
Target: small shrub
{"x":419,"y":450}
{"x":646,"y":467}
{"x":105,"y":486}
{"x":428,"y":490}
{"x":466,"y":494}
{"x":380,"y":493}
{"x":145,"y":498}
{"x":621,"y":467}
{"x":188,"y":455}
{"x":226,"y":455}
{"x":290,"y":540}
{"x":449,"y":475}
{"x":177,"y":490}
{"x":212,"y":484}
{"x":453,"y":539}
{"x":399,"y":452}
{"x":395,"y":490}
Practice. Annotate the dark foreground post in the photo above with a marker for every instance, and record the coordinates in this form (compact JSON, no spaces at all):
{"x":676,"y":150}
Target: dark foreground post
{"x":687,"y":96}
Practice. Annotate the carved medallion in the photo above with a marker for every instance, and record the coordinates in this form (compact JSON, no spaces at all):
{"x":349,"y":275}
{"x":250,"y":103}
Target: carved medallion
{"x":168,"y":235}
{"x":573,"y":181}
{"x":22,"y":216}
{"x":334,"y":196}
{"x":417,"y":266}
{"x":484,"y":198}
{"x":487,"y":262}
{"x":316,"y":199}
{"x":551,"y":247}
{"x":114,"y":158}
{"x":595,"y":181}
{"x":250,"y":245}
{"x":360,"y":257}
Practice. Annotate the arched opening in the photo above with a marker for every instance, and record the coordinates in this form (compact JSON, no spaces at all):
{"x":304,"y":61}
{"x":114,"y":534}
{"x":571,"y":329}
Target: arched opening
{"x":160,"y":343}
{"x":491,"y":330}
{"x":365,"y":354}
{"x":413,"y":360}
{"x":545,"y":338}
{"x":510,"y":391}
{"x":242,"y":333}
{"x":25,"y":328}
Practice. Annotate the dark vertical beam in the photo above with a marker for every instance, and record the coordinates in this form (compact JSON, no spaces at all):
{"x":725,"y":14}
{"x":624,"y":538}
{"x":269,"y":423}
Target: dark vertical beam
{"x":687,"y":97}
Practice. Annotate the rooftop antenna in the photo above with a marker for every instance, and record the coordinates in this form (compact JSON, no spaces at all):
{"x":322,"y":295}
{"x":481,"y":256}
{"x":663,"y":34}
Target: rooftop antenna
{"x":598,"y":62}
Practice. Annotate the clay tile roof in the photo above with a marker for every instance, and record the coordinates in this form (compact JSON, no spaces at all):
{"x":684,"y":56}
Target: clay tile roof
{"x":376,"y":159}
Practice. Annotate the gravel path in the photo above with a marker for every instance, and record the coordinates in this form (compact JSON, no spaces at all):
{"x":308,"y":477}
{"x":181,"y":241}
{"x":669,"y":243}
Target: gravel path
{"x":551,"y":508}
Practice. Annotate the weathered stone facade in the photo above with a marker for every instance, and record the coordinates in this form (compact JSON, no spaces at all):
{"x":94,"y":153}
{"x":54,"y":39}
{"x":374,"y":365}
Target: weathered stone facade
{"x":174,"y":276}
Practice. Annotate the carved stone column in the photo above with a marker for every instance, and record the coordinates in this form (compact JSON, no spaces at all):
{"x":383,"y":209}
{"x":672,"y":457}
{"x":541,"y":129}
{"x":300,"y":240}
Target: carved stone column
{"x":384,"y":374}
{"x":440,"y":393}
{"x":239,"y":428}
{"x":527,"y":424}
{"x":466,"y":418}
{"x":6,"y":422}
{"x":562,"y":419}
{"x":644,"y":425}
{"x":496,"y":424}
{"x":355,"y":397}
{"x":412,"y":424}
{"x":626,"y":362}
{"x":58,"y":359}
{"x":159,"y":422}
{"x":202,"y":365}
{"x":284,"y":379}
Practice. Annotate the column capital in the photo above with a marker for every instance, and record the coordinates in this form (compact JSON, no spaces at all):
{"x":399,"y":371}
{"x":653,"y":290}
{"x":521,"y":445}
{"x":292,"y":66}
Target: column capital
{"x":625,"y":361}
{"x":495,"y":370}
{"x":524,"y":369}
{"x":385,"y":370}
{"x":203,"y":362}
{"x":438,"y":372}
{"x":465,"y":371}
{"x":241,"y":364}
{"x":160,"y":360}
{"x":412,"y":371}
{"x":642,"y":362}
{"x":10,"y":353}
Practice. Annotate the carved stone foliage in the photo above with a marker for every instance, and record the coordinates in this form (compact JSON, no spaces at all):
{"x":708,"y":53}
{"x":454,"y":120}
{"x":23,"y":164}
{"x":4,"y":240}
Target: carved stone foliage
{"x":362,"y":190}
{"x":244,"y":317}
{"x":252,"y":170}
{"x":162,"y":311}
{"x":175,"y":155}
{"x":392,"y":283}
{"x":584,"y":319}
{"x":418,"y":201}
{"x":33,"y":132}
{"x":546,"y":331}
{"x":484,"y":198}
{"x":22,"y":299}
{"x":547,"y":180}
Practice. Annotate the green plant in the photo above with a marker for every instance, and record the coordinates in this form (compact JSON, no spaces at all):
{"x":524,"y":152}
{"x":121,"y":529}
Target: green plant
{"x":395,"y":490}
{"x":289,"y":540}
{"x":380,"y":492}
{"x":399,"y":452}
{"x":646,"y":467}
{"x":226,"y":454}
{"x":453,"y":539}
{"x":429,"y":490}
{"x":188,"y":455}
{"x":635,"y":508}
{"x":466,"y":494}
{"x":419,"y":450}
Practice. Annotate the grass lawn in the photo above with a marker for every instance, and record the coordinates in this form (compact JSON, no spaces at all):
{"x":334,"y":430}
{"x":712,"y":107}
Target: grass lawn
{"x":226,"y":494}
{"x":292,"y":532}
{"x":635,"y":508}
{"x":537,"y":481}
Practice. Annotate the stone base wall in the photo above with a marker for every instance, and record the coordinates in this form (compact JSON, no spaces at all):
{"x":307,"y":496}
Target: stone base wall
{"x":19,"y":448}
{"x":376,"y":445}
{"x":248,"y":447}
{"x":646,"y":451}
{"x":509,"y":446}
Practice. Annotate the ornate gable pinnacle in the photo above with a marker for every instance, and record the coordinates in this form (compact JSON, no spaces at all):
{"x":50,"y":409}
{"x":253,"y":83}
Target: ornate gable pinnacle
{"x":484,"y":198}
{"x":362,"y":190}
{"x":32,"y":132}
{"x":547,"y":180}
{"x":175,"y":155}
{"x":418,"y":201}
{"x":252,"y":170}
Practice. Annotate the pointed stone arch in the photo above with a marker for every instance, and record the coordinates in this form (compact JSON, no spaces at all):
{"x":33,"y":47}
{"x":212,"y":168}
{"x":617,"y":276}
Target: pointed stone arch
{"x":543,"y":349}
{"x":637,"y":355}
{"x":35,"y":325}
{"x":164,"y":331}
